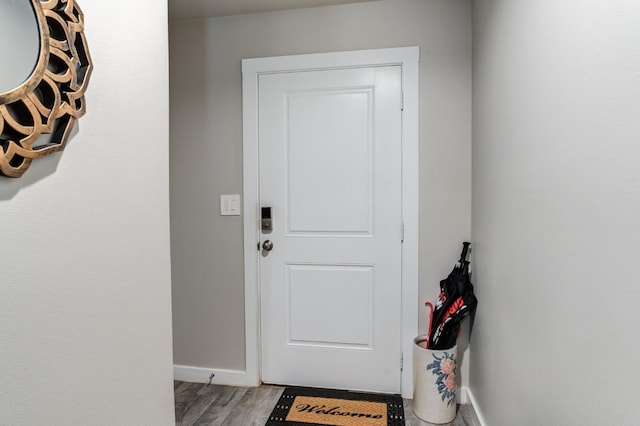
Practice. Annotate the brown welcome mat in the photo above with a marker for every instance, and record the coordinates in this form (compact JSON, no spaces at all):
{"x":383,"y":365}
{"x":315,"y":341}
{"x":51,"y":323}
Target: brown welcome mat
{"x":307,"y":406}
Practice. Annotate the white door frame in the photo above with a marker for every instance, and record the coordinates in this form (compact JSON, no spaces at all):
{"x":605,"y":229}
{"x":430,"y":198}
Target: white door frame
{"x":408,"y":59}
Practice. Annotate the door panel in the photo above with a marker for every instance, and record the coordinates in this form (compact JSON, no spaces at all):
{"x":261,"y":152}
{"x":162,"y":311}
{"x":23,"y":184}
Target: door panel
{"x":330,"y":168}
{"x":318,"y":318}
{"x":341,"y":140}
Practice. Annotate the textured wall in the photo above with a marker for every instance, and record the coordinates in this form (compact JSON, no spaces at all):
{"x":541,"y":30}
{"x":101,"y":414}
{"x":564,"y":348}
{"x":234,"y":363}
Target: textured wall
{"x":85,"y":309}
{"x":206,"y":147}
{"x":556,"y":202}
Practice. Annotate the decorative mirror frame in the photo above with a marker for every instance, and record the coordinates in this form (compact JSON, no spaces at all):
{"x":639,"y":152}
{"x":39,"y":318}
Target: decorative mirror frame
{"x":52,"y":97}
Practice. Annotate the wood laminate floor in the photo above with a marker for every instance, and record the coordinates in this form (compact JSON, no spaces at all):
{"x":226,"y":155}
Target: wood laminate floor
{"x":199,"y":404}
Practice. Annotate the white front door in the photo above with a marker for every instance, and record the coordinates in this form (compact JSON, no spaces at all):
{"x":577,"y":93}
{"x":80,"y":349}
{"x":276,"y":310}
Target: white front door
{"x":330,"y":169}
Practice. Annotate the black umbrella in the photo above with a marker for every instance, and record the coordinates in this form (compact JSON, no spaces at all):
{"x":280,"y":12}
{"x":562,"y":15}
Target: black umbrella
{"x":455,"y":303}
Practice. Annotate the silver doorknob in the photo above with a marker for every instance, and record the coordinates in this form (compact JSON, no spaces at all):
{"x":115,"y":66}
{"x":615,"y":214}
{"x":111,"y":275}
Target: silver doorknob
{"x":267,"y":245}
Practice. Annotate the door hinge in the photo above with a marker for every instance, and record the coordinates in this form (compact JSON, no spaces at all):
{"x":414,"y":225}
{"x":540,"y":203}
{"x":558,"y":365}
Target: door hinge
{"x":401,"y":361}
{"x":402,"y":232}
{"x":401,"y":101}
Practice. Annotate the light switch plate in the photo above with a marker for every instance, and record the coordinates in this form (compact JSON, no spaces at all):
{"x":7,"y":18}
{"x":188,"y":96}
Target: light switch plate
{"x":230,"y":205}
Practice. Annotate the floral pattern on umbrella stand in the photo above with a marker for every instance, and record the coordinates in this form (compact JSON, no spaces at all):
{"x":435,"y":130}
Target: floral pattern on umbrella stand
{"x":444,"y":368}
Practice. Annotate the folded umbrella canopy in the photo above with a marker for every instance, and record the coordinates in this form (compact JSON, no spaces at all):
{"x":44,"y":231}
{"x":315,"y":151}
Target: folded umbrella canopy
{"x":455,"y":303}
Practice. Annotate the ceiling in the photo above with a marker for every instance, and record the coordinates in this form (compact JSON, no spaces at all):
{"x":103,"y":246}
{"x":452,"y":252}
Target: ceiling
{"x":195,"y":9}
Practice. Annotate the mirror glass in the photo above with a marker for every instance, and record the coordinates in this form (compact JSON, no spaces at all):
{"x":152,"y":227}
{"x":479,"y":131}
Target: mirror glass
{"x":19,"y":43}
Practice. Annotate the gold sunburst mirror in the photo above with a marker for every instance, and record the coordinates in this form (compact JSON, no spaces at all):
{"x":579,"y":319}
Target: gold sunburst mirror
{"x":38,"y":108}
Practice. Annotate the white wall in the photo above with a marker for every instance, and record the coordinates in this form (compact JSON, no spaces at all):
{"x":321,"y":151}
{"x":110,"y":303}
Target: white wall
{"x":85,"y":314}
{"x":206,"y":148}
{"x":556,"y":212}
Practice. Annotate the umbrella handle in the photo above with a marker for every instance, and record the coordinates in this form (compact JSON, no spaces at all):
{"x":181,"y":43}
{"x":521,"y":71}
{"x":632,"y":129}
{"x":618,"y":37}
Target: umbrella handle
{"x":465,"y":251}
{"x":430,"y":306}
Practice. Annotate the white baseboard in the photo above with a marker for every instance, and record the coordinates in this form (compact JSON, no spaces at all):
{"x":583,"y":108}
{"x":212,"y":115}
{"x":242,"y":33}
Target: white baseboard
{"x":461,"y":395}
{"x":478,"y":418}
{"x":187,"y":373}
